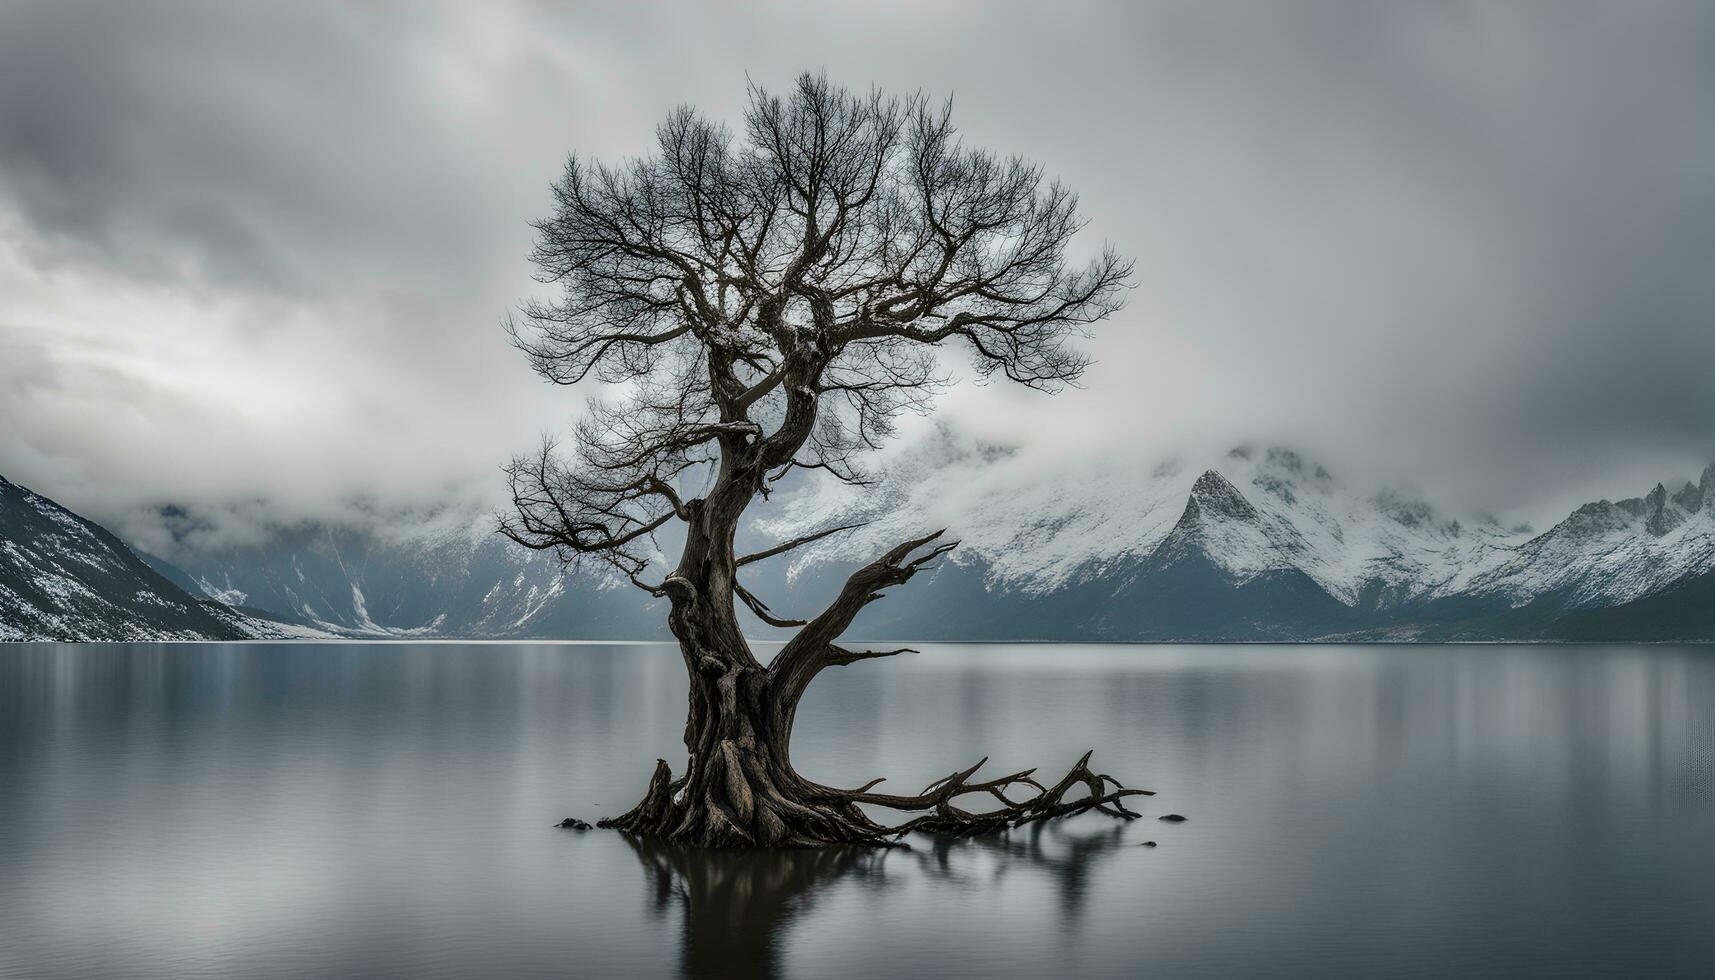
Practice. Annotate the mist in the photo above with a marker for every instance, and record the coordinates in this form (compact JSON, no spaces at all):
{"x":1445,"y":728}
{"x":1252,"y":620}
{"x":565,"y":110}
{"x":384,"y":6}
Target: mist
{"x":253,"y":259}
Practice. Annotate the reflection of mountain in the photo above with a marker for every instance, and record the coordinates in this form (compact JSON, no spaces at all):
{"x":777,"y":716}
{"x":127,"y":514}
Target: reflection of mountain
{"x":736,"y":907}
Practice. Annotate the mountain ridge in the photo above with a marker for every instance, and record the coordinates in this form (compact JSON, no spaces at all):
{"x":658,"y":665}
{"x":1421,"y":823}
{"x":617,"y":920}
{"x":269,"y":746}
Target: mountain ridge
{"x":1258,"y":544}
{"x":63,"y":577}
{"x":1283,"y":533}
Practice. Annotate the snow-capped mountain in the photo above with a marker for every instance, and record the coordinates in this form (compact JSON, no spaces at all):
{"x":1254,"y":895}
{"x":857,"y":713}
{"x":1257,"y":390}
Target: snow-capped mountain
{"x":1251,"y":511}
{"x":65,"y":578}
{"x":444,"y":573}
{"x":1252,"y":544}
{"x":1257,"y":544}
{"x":1609,"y":554}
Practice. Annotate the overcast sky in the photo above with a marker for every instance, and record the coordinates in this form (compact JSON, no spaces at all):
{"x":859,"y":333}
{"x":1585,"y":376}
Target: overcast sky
{"x":259,"y":252}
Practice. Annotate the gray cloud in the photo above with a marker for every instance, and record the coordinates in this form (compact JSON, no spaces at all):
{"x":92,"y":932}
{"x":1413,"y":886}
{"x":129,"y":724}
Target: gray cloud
{"x":258,"y":252}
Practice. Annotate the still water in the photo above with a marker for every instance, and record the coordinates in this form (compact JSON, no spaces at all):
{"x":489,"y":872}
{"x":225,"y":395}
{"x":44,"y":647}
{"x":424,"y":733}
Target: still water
{"x":385,"y":810}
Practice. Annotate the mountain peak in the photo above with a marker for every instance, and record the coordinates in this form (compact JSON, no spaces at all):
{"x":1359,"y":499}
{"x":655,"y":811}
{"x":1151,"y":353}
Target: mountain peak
{"x":1659,"y":517}
{"x":1215,"y":495}
{"x":1286,"y":459}
{"x":1599,"y":517}
{"x":1689,"y":497}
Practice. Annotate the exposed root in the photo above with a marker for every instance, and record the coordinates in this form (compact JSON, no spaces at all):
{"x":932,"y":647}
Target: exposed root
{"x":653,"y":810}
{"x":1048,"y":803}
{"x":739,"y":789}
{"x":749,"y":806}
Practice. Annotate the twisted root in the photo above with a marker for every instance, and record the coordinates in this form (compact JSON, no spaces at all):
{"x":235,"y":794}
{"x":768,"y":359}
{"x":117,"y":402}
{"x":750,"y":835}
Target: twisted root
{"x":1048,"y":803}
{"x":804,"y":814}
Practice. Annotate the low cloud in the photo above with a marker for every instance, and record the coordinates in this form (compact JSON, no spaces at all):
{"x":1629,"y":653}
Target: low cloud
{"x":259,"y":253}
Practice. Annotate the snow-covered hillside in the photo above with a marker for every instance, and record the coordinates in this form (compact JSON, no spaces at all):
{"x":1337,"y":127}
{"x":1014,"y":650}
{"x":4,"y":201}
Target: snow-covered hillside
{"x":1254,"y":543}
{"x":1607,"y":554}
{"x":1258,"y":518}
{"x":65,"y":578}
{"x":401,"y":575}
{"x":1251,"y":510}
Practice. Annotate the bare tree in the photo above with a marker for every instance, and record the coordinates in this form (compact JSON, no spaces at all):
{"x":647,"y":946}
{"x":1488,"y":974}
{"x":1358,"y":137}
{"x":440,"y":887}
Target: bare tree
{"x":767,"y":304}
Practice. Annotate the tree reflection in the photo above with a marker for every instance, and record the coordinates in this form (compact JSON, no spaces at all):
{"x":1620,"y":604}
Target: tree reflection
{"x":736,"y":908}
{"x":1066,"y":858}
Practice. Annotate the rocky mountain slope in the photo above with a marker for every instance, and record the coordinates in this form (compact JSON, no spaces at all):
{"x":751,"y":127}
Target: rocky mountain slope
{"x":1253,"y":544}
{"x":1609,"y":554}
{"x":65,"y":578}
{"x":1258,"y":544}
{"x":444,"y":573}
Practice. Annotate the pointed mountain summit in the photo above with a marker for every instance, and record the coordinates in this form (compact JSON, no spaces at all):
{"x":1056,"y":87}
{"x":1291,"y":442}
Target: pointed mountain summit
{"x":1259,"y":543}
{"x":1607,"y":555}
{"x":1689,"y":498}
{"x":1660,"y":514}
{"x":1215,"y":495}
{"x":1262,"y":543}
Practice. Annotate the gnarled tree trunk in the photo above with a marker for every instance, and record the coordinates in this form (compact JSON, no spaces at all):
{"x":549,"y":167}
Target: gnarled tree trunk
{"x":739,"y":788}
{"x":772,"y":303}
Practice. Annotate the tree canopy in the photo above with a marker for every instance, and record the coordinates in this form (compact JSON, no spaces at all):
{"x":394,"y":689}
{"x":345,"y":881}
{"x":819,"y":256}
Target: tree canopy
{"x":769,"y":301}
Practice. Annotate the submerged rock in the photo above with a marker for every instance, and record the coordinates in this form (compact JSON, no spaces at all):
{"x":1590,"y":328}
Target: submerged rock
{"x":573,"y":823}
{"x":1173,"y":818}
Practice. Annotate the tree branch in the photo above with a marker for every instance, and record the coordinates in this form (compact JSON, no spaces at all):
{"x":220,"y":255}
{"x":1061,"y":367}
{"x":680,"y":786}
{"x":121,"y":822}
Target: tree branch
{"x":813,"y":647}
{"x":799,"y":542}
{"x":760,"y":609}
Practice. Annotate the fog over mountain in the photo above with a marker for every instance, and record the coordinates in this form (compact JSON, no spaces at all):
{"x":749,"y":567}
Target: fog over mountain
{"x":1258,"y":543}
{"x":253,"y":257}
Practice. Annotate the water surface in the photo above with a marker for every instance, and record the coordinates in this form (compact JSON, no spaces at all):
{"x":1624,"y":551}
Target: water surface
{"x":385,"y":810}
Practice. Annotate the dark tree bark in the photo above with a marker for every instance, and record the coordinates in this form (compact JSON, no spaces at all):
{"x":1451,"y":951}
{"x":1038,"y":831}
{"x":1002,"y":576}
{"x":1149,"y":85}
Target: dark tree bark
{"x":770,"y":305}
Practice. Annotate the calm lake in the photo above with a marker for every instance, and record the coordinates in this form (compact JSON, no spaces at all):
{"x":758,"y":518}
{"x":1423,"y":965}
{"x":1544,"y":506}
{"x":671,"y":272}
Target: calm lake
{"x":261,"y":810}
